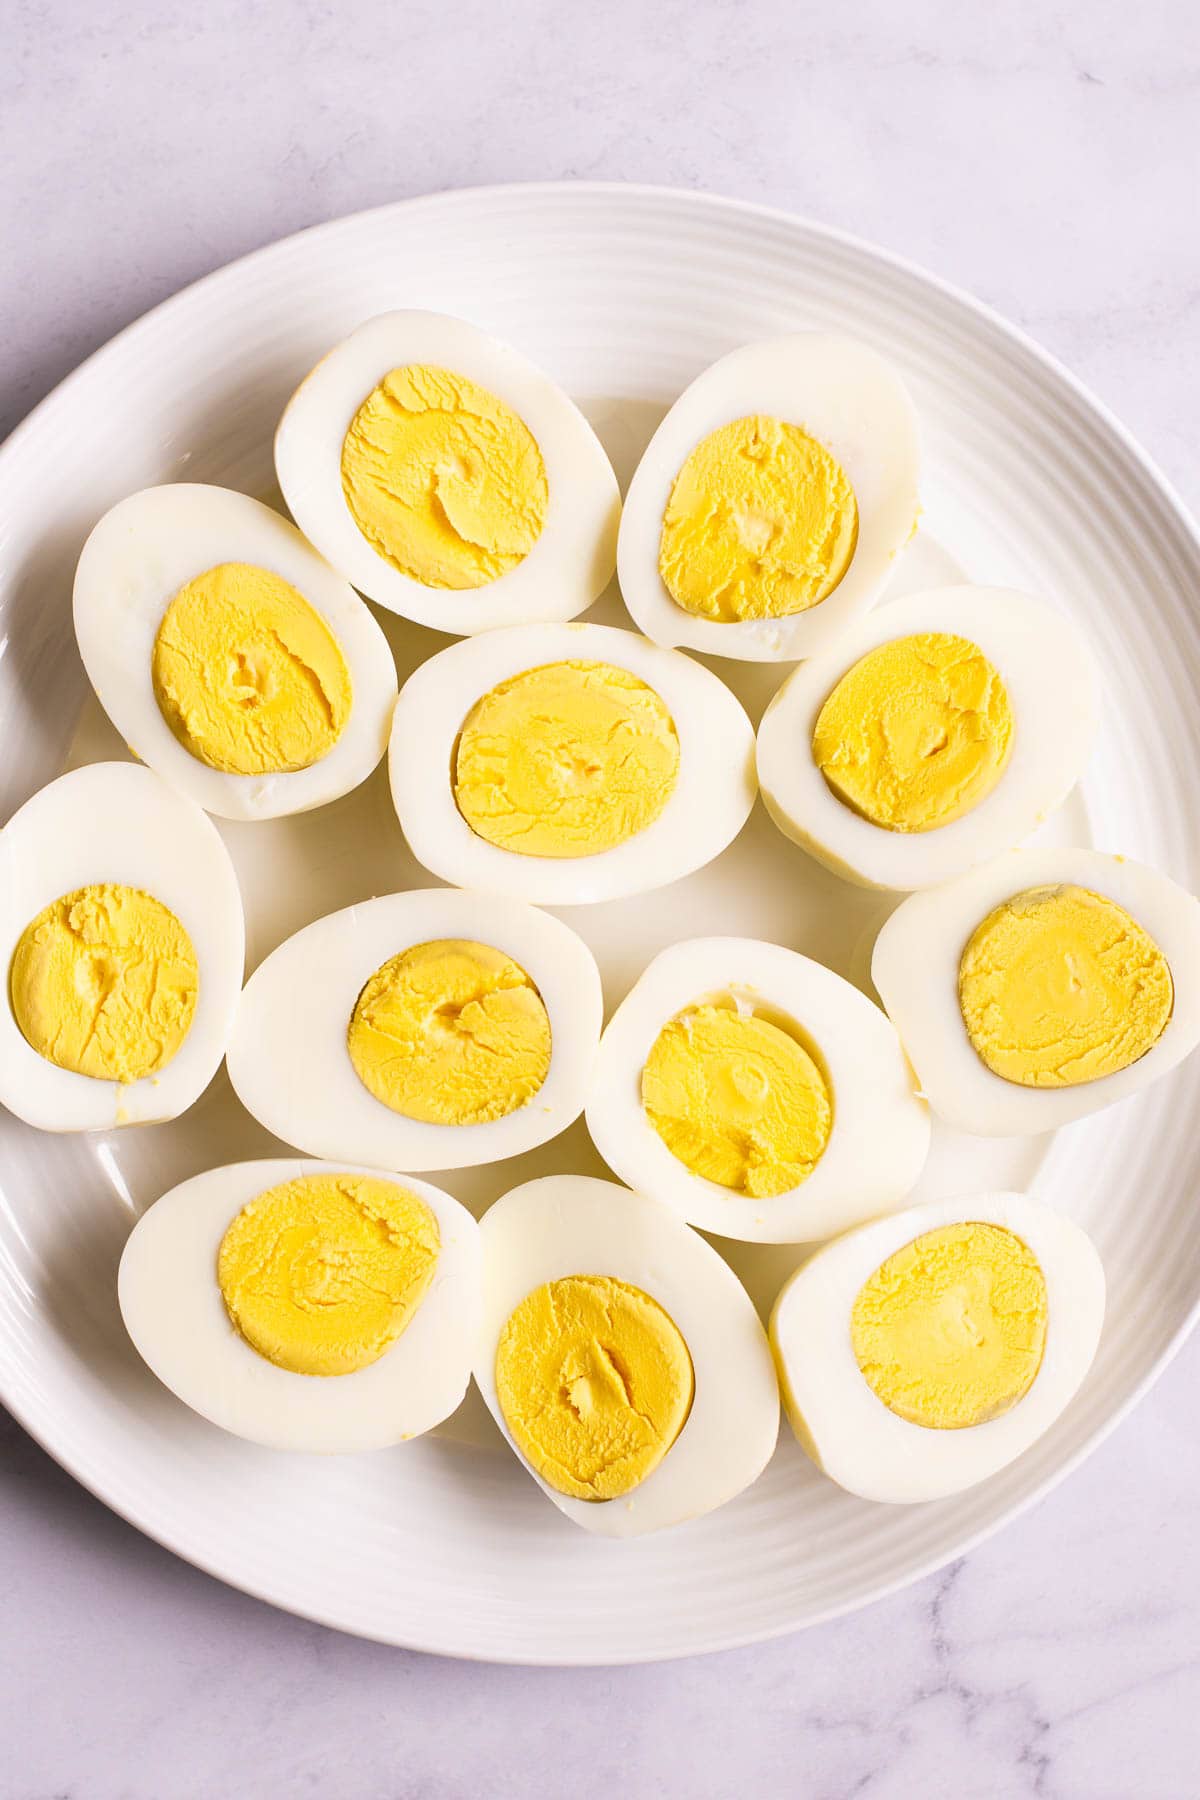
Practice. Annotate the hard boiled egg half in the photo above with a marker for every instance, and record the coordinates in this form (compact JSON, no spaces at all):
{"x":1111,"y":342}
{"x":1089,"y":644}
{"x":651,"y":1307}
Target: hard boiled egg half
{"x":568,"y":763}
{"x":122,"y":941}
{"x":427,"y":1030}
{"x":448,"y":478}
{"x":757,"y":1094}
{"x":1042,"y":987}
{"x":307,"y":1305}
{"x":621,"y":1357}
{"x":229,"y":655}
{"x":936,"y":732}
{"x":921,"y":1353}
{"x":771,"y":503}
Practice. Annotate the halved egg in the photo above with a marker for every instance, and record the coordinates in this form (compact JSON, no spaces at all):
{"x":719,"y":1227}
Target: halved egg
{"x":621,"y":1357}
{"x":122,"y":944}
{"x":921,"y":1353}
{"x":427,"y":1030}
{"x":938,"y":731}
{"x":448,"y":478}
{"x":568,"y":763}
{"x":307,"y":1305}
{"x":770,"y":505}
{"x":229,"y":655}
{"x":1042,"y":987}
{"x":756,"y":1093}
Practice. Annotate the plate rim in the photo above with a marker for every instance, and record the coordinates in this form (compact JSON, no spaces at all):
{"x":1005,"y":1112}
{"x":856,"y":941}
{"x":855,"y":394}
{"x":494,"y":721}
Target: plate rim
{"x":49,"y":1436}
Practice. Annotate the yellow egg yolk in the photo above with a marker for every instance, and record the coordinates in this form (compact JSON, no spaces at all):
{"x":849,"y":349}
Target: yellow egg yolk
{"x":761,"y":523}
{"x":737,"y":1099}
{"x":248,"y":675}
{"x":1060,"y":986}
{"x":322,"y":1274}
{"x":104,"y":983}
{"x":916,"y":733}
{"x":452,"y":1033}
{"x":443,"y":479}
{"x":595,"y":1383}
{"x":565,"y":760}
{"x":949,"y":1331}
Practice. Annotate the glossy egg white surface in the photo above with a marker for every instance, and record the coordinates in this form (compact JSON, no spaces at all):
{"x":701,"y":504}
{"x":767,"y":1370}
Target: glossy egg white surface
{"x":849,"y":1432}
{"x":880,"y":1135}
{"x":288,"y":1060}
{"x":567,"y":1225}
{"x":839,"y":392}
{"x":915,"y":970}
{"x":573,"y":558}
{"x":134,"y":563}
{"x":708,"y":806}
{"x":116,"y":822}
{"x":173,"y":1310}
{"x":1053,"y":688}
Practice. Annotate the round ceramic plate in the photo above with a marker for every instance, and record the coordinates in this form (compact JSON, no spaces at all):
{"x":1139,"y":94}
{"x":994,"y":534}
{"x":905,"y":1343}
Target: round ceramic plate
{"x":623,"y":294}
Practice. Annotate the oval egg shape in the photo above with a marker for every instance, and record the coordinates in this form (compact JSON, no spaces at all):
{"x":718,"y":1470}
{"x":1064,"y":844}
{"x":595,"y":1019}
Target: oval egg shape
{"x":510,"y":504}
{"x":173,"y":1308}
{"x":698,"y":793}
{"x":856,"y":1437}
{"x":305,"y":693}
{"x":564,"y":1227}
{"x":823,"y":1064}
{"x":98,"y":833}
{"x":1028,"y":663}
{"x":760,"y":525}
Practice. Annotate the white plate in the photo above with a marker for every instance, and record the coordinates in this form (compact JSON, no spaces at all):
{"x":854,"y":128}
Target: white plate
{"x":623,"y":294}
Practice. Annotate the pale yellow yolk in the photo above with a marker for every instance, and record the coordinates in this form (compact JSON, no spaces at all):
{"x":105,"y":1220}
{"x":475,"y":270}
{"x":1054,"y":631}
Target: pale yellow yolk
{"x":737,"y":1099}
{"x":322,"y":1274}
{"x":565,"y":760}
{"x":248,"y":675}
{"x":443,"y":479}
{"x":104,"y":982}
{"x":949,"y":1331}
{"x":451,"y":1033}
{"x":762,"y":522}
{"x":595,"y":1383}
{"x":1060,"y":986}
{"x":916,"y":733}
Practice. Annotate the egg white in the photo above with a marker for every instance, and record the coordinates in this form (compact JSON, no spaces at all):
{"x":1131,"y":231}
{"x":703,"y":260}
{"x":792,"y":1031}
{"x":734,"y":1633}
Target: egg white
{"x":173,"y":1310}
{"x":134,"y":563}
{"x":288,"y":1060}
{"x":1053,"y":688}
{"x":573,"y":558}
{"x":116,"y":822}
{"x":915,"y":969}
{"x":566,"y":1225}
{"x":710,"y":802}
{"x":880,"y":1134}
{"x":849,"y":1432}
{"x":850,"y":400}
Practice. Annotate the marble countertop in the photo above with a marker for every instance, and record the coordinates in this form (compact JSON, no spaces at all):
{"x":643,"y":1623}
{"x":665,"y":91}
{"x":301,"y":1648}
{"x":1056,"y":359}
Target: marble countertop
{"x":1043,"y":156}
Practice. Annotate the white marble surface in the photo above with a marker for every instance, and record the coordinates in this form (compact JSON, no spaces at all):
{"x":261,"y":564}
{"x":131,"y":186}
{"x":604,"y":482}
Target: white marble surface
{"x":1042,"y":155}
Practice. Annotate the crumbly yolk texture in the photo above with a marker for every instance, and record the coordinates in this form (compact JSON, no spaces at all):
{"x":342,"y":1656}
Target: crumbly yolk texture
{"x":949,"y":1331}
{"x":104,"y":983}
{"x":452,"y":1033}
{"x":567,"y":759}
{"x":443,"y":479}
{"x":1059,"y":986}
{"x":761,"y":523}
{"x":322,"y":1274}
{"x":917,"y":733}
{"x":248,"y":675}
{"x":737,"y":1099}
{"x":595,"y":1382}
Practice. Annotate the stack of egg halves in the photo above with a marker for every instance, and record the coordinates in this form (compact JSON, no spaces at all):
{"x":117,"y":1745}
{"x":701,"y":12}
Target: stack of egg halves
{"x":327,"y":1301}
